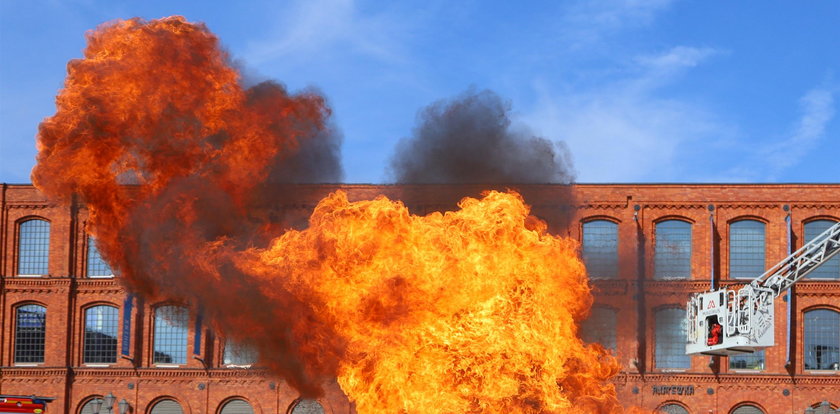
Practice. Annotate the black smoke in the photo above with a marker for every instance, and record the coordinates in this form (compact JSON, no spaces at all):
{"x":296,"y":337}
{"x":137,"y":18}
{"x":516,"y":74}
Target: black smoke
{"x":470,"y":140}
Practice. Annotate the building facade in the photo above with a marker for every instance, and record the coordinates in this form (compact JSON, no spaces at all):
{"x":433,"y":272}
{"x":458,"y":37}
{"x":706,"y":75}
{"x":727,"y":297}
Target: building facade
{"x":69,"y":331}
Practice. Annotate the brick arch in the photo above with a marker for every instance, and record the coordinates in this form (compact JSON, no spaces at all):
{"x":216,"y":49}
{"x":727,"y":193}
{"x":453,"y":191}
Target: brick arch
{"x":88,"y":305}
{"x":748,"y":217}
{"x":820,"y":217}
{"x":674,"y":217}
{"x":185,"y":406}
{"x":597,"y":217}
{"x":31,"y":217}
{"x":824,"y":306}
{"x":29,"y":302}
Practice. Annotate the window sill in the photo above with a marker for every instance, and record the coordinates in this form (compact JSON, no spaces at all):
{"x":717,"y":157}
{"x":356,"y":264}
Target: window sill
{"x":97,"y":365}
{"x":100,"y":276}
{"x":238,"y":366}
{"x":672,"y":370}
{"x":822,"y":372}
{"x":28,"y":364}
{"x":32,"y":275}
{"x":168,"y":366}
{"x":745,"y":371}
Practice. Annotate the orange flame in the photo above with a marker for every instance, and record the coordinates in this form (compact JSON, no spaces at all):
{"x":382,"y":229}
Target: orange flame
{"x":469,"y":311}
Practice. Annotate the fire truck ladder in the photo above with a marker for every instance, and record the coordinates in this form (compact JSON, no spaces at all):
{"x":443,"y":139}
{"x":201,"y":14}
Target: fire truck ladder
{"x":783,"y":275}
{"x":729,"y":321}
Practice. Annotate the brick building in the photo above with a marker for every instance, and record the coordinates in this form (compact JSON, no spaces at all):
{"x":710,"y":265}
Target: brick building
{"x":68,"y":330}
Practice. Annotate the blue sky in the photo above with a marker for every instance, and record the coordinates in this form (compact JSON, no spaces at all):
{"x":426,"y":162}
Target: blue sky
{"x":640,"y":90}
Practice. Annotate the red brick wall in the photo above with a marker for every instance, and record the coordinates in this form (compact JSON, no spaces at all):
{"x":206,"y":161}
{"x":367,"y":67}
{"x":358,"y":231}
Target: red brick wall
{"x":66,"y":292}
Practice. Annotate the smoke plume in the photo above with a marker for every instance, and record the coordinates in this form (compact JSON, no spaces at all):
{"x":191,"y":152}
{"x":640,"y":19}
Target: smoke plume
{"x":470,"y":140}
{"x":157,"y":104}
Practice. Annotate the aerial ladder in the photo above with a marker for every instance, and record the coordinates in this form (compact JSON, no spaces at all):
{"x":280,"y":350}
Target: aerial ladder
{"x":729,"y":322}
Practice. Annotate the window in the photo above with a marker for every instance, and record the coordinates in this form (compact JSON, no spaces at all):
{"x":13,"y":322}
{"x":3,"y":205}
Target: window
{"x":672,"y":255}
{"x":600,"y":249}
{"x":34,"y":248}
{"x":600,"y":327}
{"x":237,"y":407}
{"x":747,"y":361}
{"x":239,"y":354}
{"x":822,"y":340}
{"x":101,"y":335}
{"x":746,"y":249}
{"x":171,"y":335}
{"x":670,"y":339}
{"x":831,"y":268}
{"x":30,"y":330}
{"x":307,"y":407}
{"x":747,"y":409}
{"x":96,"y":267}
{"x":167,"y":407}
{"x":672,"y":409}
{"x":87,"y":408}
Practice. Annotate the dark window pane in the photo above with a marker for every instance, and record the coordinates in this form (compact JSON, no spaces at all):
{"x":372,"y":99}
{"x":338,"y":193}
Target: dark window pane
{"x":672,"y":409}
{"x":30,"y":330}
{"x":831,"y":268}
{"x":748,"y":409}
{"x":822,"y":339}
{"x":670,"y":339}
{"x":95,"y":265}
{"x":171,"y":335}
{"x":672,"y":256}
{"x":746,"y":249}
{"x":747,"y":361}
{"x":34,"y":248}
{"x":101,"y":323}
{"x":600,"y":327}
{"x":308,"y":407}
{"x":600,"y":249}
{"x":167,"y":407}
{"x":237,"y":407}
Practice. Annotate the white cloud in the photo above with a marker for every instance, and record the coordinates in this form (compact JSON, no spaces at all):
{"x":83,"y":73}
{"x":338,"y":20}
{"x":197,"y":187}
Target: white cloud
{"x":587,"y":22}
{"x":316,"y":28}
{"x":622,"y":130}
{"x":817,"y":110}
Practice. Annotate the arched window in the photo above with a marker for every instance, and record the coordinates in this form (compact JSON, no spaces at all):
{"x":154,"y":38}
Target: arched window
{"x":600,"y":249}
{"x":239,"y":354}
{"x":672,"y":255}
{"x":237,"y":407}
{"x":672,"y":409}
{"x":34,"y":247}
{"x":30,"y":332}
{"x":171,"y":335}
{"x":100,"y":335}
{"x":670,"y":339}
{"x":831,"y":268}
{"x":747,"y":409}
{"x":307,"y":407}
{"x":87,"y":407}
{"x":96,"y":267}
{"x":600,"y":327}
{"x":167,"y":407}
{"x":746,"y":249}
{"x":824,"y":407}
{"x":822,"y":340}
